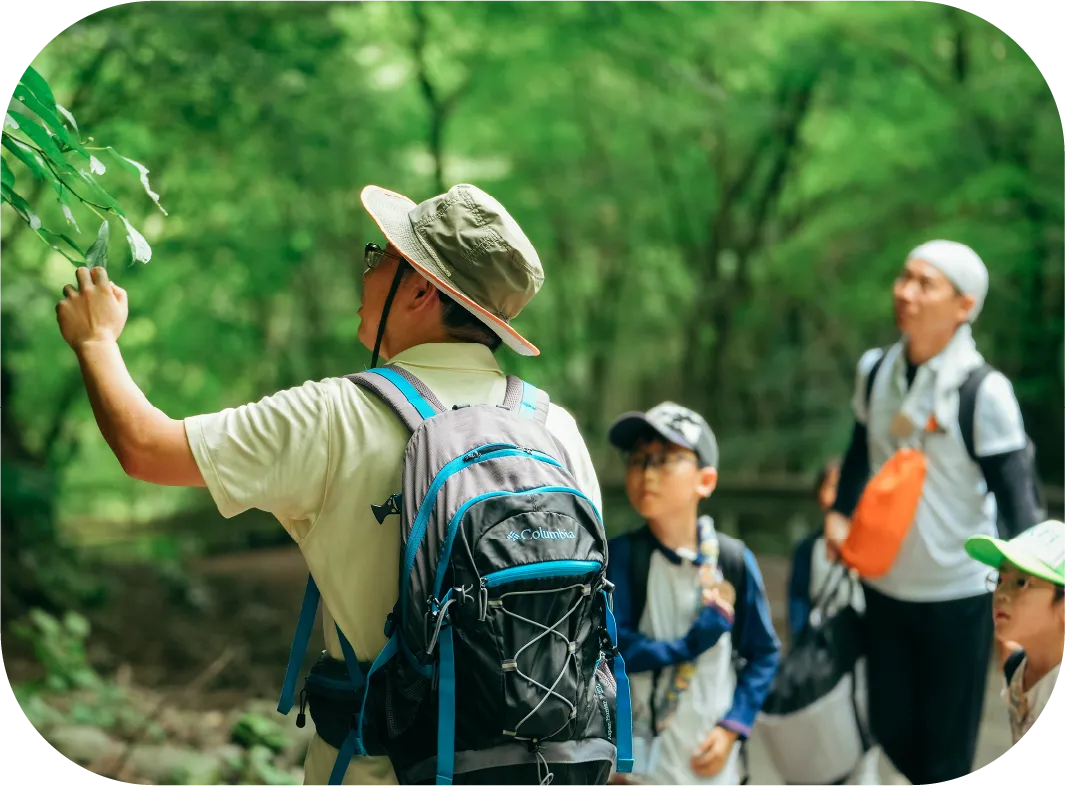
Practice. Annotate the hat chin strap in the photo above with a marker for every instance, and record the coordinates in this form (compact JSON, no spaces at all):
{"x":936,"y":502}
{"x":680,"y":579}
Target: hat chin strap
{"x":384,"y":315}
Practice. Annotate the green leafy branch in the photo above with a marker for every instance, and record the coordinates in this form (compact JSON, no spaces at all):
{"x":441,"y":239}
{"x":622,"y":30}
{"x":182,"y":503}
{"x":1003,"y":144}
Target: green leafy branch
{"x":44,"y":139}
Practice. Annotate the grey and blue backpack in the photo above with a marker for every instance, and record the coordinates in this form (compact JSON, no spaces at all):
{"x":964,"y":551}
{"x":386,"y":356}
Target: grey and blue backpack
{"x":501,"y":664}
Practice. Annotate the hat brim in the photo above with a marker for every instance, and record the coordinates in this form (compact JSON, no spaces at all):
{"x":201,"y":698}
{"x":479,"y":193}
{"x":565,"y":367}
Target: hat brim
{"x":630,"y":426}
{"x":391,"y":212}
{"x":993,"y":552}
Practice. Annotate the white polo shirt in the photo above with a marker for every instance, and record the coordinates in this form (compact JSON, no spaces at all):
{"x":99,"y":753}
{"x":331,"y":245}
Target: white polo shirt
{"x":317,"y":456}
{"x":932,"y":564}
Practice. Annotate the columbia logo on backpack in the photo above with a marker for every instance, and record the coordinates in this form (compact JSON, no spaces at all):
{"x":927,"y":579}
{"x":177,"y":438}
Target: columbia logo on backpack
{"x":501,"y":664}
{"x":542,"y":534}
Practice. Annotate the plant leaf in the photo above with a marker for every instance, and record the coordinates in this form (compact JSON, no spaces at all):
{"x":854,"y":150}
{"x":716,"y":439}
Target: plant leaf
{"x":33,"y":162}
{"x":96,"y":166}
{"x":47,"y":145}
{"x":142,"y":252}
{"x":70,"y":117}
{"x":97,"y":193}
{"x":69,"y":214}
{"x":38,"y":85}
{"x":49,"y":235}
{"x":96,"y":256}
{"x":7,"y":177}
{"x":142,"y":172}
{"x":51,"y":120}
{"x":9,"y":122}
{"x":22,"y":206}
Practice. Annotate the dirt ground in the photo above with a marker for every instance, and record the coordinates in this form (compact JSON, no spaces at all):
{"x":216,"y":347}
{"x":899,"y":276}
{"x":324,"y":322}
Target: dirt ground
{"x":164,"y":634}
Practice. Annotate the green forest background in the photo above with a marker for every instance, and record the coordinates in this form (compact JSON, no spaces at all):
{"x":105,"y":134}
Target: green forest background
{"x":721,"y":195}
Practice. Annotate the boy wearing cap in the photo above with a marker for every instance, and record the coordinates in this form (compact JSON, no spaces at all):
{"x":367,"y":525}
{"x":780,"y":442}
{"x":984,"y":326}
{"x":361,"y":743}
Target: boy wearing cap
{"x":928,"y":619}
{"x":693,"y":622}
{"x":437,"y":301}
{"x":1029,"y":604}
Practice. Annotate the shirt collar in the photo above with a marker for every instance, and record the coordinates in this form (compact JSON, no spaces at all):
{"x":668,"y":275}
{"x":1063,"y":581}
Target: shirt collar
{"x":454,"y":356}
{"x":680,"y":557}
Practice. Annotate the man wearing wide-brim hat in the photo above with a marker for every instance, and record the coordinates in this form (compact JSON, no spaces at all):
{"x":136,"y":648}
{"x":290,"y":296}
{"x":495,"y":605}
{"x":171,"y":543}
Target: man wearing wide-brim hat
{"x":438,"y":299}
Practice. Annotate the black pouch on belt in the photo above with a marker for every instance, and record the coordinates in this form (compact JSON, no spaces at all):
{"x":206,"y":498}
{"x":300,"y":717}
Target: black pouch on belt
{"x":334,"y":704}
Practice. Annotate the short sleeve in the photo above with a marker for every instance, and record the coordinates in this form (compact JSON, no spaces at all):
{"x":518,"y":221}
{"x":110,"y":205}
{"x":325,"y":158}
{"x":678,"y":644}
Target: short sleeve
{"x":861,"y":380}
{"x":562,"y":425}
{"x":272,"y":455}
{"x":997,"y":423}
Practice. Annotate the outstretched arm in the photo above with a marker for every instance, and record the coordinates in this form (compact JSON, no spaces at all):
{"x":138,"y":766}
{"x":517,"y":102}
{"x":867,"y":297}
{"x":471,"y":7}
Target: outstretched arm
{"x":148,"y":444}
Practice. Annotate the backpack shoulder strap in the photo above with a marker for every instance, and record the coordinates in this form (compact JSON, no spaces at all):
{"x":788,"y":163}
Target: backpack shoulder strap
{"x":527,"y":400}
{"x":967,"y":406}
{"x":642,"y":547}
{"x":403,"y":392}
{"x":1012,"y":662}
{"x":872,"y":377}
{"x":734,"y":568}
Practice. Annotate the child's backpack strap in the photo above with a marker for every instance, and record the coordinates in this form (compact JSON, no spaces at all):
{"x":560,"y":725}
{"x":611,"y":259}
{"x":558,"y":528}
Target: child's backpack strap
{"x":641,"y":547}
{"x":403,"y":392}
{"x":733,"y":566}
{"x":1011,"y":664}
{"x":527,"y":400}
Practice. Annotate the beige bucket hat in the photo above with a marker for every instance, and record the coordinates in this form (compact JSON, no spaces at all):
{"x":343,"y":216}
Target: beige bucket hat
{"x":468,"y":245}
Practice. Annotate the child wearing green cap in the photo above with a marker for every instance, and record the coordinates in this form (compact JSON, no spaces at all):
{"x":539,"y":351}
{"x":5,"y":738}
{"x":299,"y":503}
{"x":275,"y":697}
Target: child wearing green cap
{"x":1029,"y":608}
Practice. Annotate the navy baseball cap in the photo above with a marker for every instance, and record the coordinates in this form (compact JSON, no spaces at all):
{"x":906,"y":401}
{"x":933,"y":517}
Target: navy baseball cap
{"x":671,"y":422}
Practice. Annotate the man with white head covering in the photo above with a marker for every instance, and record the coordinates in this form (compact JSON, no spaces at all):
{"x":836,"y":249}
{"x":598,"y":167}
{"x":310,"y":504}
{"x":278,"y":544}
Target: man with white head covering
{"x":928,"y":618}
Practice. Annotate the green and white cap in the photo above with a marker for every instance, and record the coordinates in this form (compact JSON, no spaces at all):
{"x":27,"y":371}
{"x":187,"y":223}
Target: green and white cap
{"x":1039,"y":551}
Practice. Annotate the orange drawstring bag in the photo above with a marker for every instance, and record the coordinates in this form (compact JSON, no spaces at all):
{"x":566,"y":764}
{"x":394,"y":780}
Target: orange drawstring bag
{"x":886,"y":511}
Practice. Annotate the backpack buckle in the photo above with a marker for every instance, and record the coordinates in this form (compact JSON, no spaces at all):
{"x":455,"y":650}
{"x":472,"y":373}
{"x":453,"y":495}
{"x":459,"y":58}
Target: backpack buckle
{"x":387,"y":508}
{"x":606,"y":644}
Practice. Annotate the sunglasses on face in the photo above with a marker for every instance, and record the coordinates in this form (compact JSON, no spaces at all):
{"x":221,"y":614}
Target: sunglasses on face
{"x":373,"y":255}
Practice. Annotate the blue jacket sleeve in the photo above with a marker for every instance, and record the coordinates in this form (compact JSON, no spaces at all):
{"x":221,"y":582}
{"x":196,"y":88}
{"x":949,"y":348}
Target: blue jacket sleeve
{"x":799,"y":600}
{"x":760,"y":647}
{"x":643,"y":653}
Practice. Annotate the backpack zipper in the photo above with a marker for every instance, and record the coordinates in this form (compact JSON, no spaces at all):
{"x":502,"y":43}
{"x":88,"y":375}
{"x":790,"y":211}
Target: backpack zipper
{"x":452,"y":528}
{"x":487,"y":452}
{"x":541,"y":570}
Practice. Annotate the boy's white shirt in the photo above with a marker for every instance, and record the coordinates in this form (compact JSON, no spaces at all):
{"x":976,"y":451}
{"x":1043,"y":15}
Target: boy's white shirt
{"x":1037,"y":698}
{"x":674,"y":600}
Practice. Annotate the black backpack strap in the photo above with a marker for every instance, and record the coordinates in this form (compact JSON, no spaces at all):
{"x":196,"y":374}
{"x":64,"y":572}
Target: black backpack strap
{"x":1011,"y":664}
{"x":642,"y":546}
{"x":730,"y":558}
{"x":872,"y":376}
{"x":403,"y":392}
{"x":527,"y":400}
{"x":734,"y":568}
{"x":967,"y":406}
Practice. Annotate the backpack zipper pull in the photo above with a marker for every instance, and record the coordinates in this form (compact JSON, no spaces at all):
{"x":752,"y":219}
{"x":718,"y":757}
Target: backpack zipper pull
{"x":482,"y":602}
{"x":301,"y":717}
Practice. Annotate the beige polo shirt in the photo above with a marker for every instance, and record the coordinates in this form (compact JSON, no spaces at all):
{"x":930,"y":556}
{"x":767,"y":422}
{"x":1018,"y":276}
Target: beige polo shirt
{"x":316,"y":457}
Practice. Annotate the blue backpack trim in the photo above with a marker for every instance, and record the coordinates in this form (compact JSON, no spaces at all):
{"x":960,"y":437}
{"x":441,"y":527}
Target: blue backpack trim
{"x":414,"y":398}
{"x":533,"y":404}
{"x":624,"y":706}
{"x":445,"y":722}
